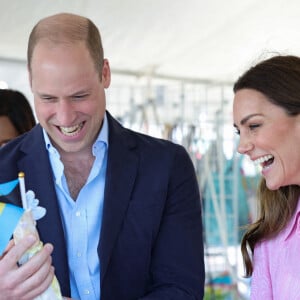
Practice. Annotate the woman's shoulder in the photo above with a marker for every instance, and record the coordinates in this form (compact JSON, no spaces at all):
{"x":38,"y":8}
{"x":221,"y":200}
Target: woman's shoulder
{"x":283,"y":237}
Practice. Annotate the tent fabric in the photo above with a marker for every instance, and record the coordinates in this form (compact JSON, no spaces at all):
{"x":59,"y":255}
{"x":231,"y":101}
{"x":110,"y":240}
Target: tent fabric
{"x":204,"y":40}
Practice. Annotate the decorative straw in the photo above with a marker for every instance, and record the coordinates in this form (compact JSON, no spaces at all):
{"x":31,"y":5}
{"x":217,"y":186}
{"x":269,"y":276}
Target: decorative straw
{"x":22,"y":189}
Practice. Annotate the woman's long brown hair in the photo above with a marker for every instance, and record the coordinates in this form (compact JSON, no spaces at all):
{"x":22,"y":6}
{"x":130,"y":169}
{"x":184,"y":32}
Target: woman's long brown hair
{"x":278,"y":78}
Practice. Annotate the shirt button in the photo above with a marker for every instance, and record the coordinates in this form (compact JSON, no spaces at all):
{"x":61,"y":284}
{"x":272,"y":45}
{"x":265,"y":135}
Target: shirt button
{"x":77,"y":213}
{"x":78,"y":254}
{"x":86,"y":292}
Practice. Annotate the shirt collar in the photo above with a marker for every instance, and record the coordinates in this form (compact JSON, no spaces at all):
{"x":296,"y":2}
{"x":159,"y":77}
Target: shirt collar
{"x":102,"y":138}
{"x":293,"y":223}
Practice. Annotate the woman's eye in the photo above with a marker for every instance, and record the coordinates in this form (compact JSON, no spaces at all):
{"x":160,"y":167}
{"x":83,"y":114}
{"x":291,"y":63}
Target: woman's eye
{"x":254,"y":126}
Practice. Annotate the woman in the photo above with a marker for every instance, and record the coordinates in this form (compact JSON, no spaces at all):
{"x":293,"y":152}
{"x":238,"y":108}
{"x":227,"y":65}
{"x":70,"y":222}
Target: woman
{"x":266,"y":112}
{"x":16,"y":116}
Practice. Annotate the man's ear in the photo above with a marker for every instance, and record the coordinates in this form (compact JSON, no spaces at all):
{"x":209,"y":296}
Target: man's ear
{"x":29,"y":76}
{"x":106,"y":73}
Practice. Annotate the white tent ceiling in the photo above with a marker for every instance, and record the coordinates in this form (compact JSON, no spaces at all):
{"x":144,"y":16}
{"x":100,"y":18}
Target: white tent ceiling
{"x":204,"y":40}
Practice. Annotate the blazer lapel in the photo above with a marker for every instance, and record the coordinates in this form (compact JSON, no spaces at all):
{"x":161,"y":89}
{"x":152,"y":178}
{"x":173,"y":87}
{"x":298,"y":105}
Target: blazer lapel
{"x":38,"y":177}
{"x":120,"y":177}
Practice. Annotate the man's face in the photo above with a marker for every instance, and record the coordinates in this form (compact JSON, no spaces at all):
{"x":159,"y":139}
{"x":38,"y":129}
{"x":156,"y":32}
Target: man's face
{"x":69,"y":96}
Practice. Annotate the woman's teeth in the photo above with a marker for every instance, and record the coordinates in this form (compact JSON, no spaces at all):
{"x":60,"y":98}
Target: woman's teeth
{"x":72,"y":130}
{"x":263,"y":159}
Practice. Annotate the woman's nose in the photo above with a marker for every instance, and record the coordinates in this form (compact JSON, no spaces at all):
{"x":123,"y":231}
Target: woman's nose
{"x":245,"y":145}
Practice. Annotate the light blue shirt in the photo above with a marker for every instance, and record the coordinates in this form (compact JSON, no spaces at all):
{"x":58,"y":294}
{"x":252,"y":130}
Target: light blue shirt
{"x":82,"y":218}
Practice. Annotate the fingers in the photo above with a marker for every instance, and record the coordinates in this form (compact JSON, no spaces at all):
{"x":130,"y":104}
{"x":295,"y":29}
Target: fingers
{"x":29,"y":280}
{"x":38,"y":272}
{"x":15,"y":252}
{"x":37,"y":283}
{"x":41,"y":261}
{"x":9,"y":246}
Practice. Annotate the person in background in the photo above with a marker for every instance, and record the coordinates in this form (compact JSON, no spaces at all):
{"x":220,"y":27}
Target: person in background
{"x":16,"y":115}
{"x":123,"y":209}
{"x":266,"y":112}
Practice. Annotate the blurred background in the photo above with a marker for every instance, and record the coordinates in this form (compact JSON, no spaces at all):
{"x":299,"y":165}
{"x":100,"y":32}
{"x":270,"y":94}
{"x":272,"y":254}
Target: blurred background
{"x":173,"y":67}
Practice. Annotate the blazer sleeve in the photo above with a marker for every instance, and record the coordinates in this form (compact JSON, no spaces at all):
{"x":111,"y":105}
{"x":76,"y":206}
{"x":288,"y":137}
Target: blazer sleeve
{"x":178,"y":260}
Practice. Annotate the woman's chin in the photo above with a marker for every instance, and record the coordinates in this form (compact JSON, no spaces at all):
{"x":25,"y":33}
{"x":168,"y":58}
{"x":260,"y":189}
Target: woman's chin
{"x":273,"y":186}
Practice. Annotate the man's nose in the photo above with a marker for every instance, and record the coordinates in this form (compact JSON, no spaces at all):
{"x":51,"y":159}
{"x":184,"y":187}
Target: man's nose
{"x":65,"y":114}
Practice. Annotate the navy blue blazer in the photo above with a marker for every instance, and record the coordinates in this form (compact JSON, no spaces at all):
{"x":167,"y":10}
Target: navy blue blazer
{"x":150,"y":245}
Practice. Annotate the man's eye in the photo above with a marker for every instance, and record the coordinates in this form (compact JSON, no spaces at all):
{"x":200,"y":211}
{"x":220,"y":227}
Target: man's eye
{"x":80,"y":96}
{"x":47,"y":98}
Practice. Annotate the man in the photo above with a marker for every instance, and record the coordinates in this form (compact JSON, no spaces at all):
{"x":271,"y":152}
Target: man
{"x":123,"y":209}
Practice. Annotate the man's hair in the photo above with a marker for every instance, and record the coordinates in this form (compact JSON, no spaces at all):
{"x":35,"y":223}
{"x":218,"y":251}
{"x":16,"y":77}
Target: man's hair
{"x":66,"y":28}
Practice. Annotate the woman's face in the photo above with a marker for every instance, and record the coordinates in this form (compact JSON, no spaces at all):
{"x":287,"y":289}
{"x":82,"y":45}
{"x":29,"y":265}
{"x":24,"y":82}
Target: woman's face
{"x":7,"y":130}
{"x":269,"y":136}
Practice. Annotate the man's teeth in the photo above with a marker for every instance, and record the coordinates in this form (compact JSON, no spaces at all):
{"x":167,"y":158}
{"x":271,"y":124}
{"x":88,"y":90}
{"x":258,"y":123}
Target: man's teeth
{"x":72,"y":130}
{"x":263,"y":159}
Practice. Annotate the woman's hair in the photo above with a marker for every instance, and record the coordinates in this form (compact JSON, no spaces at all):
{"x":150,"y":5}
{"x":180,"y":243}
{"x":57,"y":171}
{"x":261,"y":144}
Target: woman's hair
{"x":66,"y":28}
{"x":16,"y":107}
{"x":278,"y":78}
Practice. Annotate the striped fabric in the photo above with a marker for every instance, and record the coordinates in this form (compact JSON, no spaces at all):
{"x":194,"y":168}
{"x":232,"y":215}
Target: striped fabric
{"x":9,"y":218}
{"x":9,"y":214}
